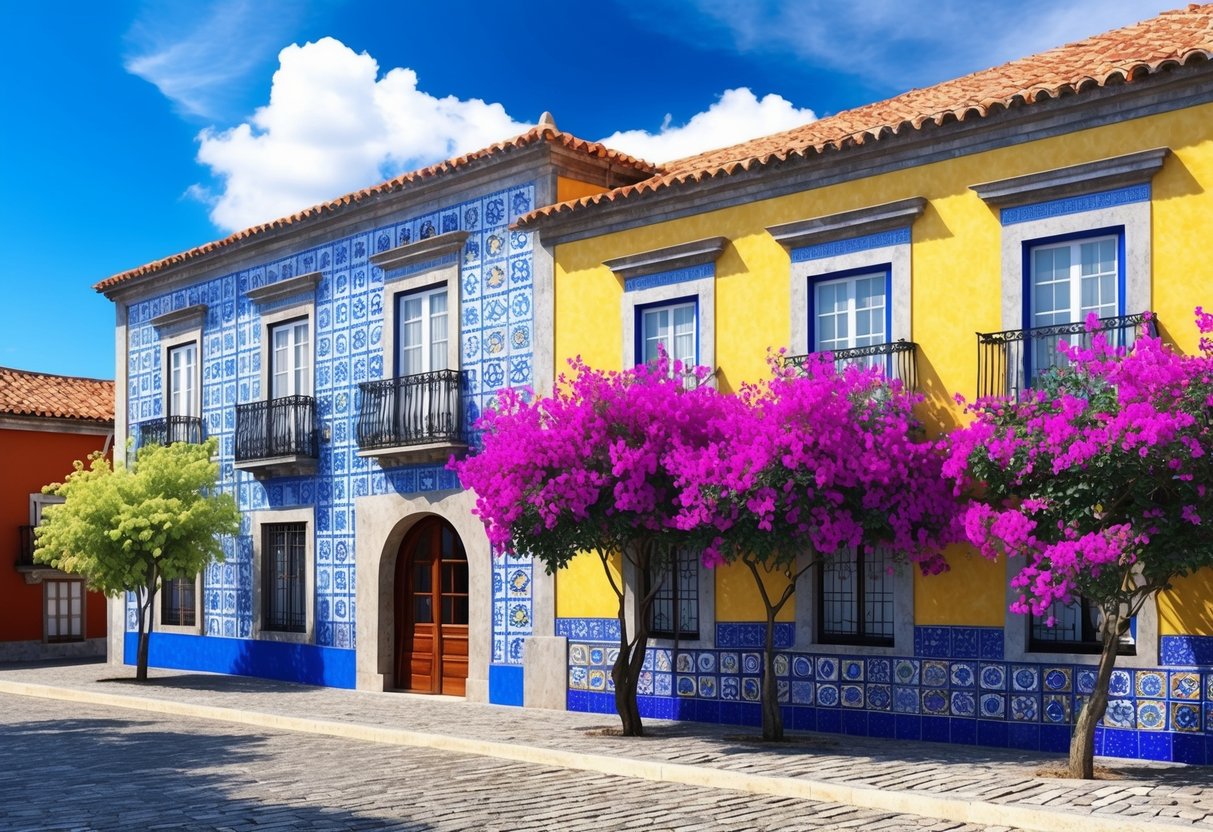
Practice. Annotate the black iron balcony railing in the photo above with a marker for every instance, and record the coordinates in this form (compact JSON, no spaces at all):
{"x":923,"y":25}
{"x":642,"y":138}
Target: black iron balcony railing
{"x":898,"y":360}
{"x":412,"y":410}
{"x":171,"y":429}
{"x":1012,"y":361}
{"x":276,"y":428}
{"x":25,"y":546}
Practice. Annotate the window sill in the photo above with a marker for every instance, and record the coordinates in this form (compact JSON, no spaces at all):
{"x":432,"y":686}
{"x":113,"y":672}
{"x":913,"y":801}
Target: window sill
{"x":38,"y":573}
{"x":291,"y":465}
{"x":409,"y":454}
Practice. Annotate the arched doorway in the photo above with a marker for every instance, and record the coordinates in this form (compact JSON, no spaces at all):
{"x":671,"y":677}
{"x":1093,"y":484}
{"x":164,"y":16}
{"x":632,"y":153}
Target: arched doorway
{"x":431,"y":601}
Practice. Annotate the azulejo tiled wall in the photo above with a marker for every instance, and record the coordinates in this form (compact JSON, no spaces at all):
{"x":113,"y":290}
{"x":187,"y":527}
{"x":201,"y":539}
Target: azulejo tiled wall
{"x":956,"y":688}
{"x":496,"y":331}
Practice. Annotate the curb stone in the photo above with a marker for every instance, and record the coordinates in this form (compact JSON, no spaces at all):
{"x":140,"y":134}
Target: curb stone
{"x":1038,"y":819}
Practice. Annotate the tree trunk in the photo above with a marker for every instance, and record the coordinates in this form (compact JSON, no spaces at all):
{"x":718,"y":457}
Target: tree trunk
{"x":625,"y":673}
{"x":146,"y":624}
{"x":772,"y":716}
{"x":1082,"y":742}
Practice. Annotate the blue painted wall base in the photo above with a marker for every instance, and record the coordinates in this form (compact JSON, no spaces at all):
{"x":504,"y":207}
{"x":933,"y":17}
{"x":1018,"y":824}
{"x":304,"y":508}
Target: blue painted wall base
{"x":505,"y":684}
{"x":307,"y":664}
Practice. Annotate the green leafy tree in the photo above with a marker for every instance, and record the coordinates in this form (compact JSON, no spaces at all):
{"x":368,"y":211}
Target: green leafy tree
{"x":129,"y":529}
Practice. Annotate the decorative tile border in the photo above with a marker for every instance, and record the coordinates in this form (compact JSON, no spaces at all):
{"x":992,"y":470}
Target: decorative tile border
{"x":959,"y":643}
{"x":1185,"y":651}
{"x":1153,"y":714}
{"x":1076,"y":204}
{"x":738,"y":634}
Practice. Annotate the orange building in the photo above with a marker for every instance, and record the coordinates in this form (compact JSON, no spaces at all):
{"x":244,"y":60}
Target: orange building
{"x":46,"y":423}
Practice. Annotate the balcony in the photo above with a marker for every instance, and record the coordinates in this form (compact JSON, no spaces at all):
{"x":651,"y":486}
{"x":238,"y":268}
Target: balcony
{"x":277,"y":437}
{"x":414,"y":418}
{"x":1012,"y":361}
{"x":171,"y":429}
{"x":33,"y":572}
{"x":898,"y":360}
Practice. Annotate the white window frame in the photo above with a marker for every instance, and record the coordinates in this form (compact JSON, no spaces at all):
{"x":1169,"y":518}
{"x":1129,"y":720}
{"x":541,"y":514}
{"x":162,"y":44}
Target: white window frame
{"x":74,"y":585}
{"x":851,"y":282}
{"x":187,"y":401}
{"x":430,"y":361}
{"x":671,"y":338}
{"x":299,"y":378}
{"x":1075,"y":313}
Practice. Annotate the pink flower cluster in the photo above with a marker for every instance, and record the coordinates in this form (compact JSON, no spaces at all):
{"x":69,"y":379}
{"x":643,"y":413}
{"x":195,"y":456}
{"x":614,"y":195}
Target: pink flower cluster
{"x":590,"y":466}
{"x":820,"y":460}
{"x":1099,"y":478}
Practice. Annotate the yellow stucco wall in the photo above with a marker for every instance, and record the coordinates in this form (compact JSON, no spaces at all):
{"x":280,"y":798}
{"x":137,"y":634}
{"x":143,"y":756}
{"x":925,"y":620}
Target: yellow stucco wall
{"x":1187,"y":608}
{"x":956,"y":291}
{"x":738,"y":599}
{"x":972,"y":593}
{"x":583,"y":591}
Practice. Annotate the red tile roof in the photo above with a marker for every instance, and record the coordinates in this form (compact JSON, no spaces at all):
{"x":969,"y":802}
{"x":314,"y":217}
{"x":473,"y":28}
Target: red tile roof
{"x":1173,"y":39}
{"x":23,"y":393}
{"x":542,"y":133}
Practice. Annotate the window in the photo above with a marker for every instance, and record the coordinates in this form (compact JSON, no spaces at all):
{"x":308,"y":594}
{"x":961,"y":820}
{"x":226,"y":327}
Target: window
{"x":1069,"y":281}
{"x":422,"y":340}
{"x":849,"y":312}
{"x":283,"y":577}
{"x":290,"y":360}
{"x":669,"y":328}
{"x":1076,"y":629}
{"x":855,"y":600}
{"x":675,"y":610}
{"x":178,"y":602}
{"x":64,"y":610}
{"x":182,"y":389}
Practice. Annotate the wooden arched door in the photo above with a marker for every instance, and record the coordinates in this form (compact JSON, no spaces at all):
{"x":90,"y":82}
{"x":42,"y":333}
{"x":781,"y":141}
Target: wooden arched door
{"x":432,"y":610}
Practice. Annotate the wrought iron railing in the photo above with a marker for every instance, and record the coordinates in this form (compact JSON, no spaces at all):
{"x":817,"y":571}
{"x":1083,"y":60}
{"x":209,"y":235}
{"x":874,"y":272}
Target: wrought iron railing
{"x":171,"y":429}
{"x":1012,"y":361}
{"x":25,"y":546}
{"x":898,"y":360}
{"x":412,"y":410}
{"x":278,"y":427}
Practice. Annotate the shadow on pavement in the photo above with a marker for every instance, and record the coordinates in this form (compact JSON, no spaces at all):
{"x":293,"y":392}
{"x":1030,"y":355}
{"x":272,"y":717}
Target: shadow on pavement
{"x":99,"y":773}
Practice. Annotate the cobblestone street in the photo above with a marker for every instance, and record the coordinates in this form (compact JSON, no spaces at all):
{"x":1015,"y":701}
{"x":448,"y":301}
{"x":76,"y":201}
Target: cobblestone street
{"x":90,"y":767}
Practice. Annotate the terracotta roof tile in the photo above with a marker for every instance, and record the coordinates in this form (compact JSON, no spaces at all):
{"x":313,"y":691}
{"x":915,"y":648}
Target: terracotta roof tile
{"x":23,"y":393}
{"x":1162,"y":43}
{"x":541,"y":133}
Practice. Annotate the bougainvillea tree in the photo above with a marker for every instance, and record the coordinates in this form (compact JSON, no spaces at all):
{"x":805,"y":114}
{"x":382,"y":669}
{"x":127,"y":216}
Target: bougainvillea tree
{"x":589,"y":469}
{"x":820,"y":463}
{"x":1100,"y":480}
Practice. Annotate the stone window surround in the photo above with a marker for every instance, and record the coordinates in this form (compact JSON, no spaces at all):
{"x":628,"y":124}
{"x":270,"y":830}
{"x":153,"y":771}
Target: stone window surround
{"x":863,"y":238}
{"x":707,"y":608}
{"x":302,"y":289}
{"x":426,"y":264}
{"x":259,"y":519}
{"x":691,"y":271}
{"x":199,"y":609}
{"x":1133,"y":221}
{"x":177,"y":329}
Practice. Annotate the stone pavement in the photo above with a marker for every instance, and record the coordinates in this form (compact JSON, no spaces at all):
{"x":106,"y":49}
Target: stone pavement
{"x":116,"y":769}
{"x":980,"y":786}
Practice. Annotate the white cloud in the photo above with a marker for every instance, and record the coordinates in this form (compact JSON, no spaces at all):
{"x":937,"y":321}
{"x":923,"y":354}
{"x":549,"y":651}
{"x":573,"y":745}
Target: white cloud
{"x":738,"y":115}
{"x":331,"y":126}
{"x":197,"y":60}
{"x":891,"y":44}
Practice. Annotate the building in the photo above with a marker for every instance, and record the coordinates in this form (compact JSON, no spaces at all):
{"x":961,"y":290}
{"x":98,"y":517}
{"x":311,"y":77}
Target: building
{"x":949,"y":234}
{"x":47,"y":422}
{"x":339,"y":356}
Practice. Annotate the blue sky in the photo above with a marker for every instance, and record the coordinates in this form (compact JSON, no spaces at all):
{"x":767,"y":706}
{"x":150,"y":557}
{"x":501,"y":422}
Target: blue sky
{"x":135,"y":130}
